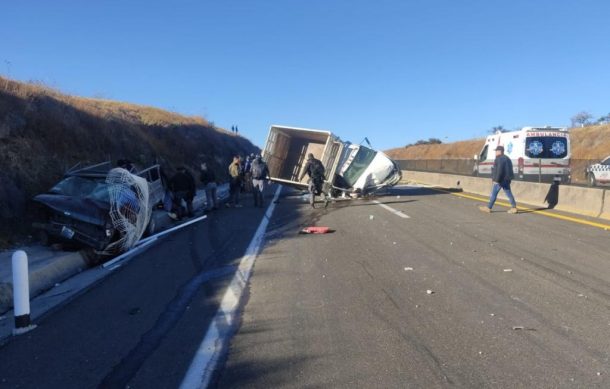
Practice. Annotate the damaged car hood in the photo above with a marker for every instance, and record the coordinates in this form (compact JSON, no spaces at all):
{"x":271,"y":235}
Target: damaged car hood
{"x":84,"y":209}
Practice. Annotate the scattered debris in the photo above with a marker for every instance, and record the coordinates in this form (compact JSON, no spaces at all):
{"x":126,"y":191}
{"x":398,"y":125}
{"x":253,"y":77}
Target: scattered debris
{"x":315,"y":230}
{"x":57,"y":284}
{"x":492,"y":314}
{"x":581,"y":295}
{"x":408,"y":268}
{"x":519,"y":328}
{"x":480,"y":352}
{"x":599,"y":373}
{"x":393,"y":242}
{"x":397,"y":197}
{"x":429,"y":291}
{"x":416,"y":306}
{"x":508,"y":270}
{"x":451,"y":244}
{"x":371,"y":217}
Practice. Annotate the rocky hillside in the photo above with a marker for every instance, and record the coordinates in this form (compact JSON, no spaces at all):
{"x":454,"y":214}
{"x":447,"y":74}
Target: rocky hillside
{"x":44,"y":132}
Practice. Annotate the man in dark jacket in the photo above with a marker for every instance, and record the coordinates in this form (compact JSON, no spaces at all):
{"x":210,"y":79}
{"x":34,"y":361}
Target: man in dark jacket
{"x":315,"y":170}
{"x":260,"y":175}
{"x":182,"y":186}
{"x":208,"y":178}
{"x":501,"y":175}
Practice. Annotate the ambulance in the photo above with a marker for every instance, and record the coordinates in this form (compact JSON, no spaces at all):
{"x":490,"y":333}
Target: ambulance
{"x":539,"y":154}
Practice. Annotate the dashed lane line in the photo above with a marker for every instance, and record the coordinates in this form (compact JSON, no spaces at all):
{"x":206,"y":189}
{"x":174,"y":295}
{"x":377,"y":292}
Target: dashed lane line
{"x":394,"y":211}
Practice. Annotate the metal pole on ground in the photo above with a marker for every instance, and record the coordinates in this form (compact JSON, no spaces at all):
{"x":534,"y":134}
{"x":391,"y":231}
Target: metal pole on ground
{"x":21,"y":293}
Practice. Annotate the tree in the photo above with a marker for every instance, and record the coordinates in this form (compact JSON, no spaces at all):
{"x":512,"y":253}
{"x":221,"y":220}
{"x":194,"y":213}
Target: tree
{"x":430,"y":141}
{"x":581,"y":119}
{"x":496,"y":129}
{"x":604,"y":119}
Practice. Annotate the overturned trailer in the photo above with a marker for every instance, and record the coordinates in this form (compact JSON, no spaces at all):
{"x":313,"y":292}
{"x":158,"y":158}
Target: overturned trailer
{"x":349,"y":168}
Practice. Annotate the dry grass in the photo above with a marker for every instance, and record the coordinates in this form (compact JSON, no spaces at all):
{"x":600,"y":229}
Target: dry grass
{"x":44,"y":132}
{"x":592,"y":142}
{"x":456,"y":150}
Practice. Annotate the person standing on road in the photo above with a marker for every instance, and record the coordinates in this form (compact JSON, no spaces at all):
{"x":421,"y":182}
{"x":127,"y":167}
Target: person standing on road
{"x":248,"y":173}
{"x":182,"y":186}
{"x":208,"y":178}
{"x":260,"y":174}
{"x":315,"y":170}
{"x":235,"y":171}
{"x":502,"y":175}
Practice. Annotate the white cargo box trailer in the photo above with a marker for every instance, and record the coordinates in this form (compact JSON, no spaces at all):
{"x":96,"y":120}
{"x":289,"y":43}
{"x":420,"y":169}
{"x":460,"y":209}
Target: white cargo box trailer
{"x":348,"y":168}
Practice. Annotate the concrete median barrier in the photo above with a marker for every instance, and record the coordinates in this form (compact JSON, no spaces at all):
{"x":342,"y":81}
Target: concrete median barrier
{"x":583,"y":201}
{"x":606,"y":207}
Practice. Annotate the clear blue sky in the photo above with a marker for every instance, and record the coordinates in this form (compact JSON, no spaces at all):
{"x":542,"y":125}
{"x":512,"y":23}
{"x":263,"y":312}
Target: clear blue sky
{"x":395,"y":71}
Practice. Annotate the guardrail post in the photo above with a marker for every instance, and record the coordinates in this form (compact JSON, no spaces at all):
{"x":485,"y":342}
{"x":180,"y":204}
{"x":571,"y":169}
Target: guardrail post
{"x":21,"y":293}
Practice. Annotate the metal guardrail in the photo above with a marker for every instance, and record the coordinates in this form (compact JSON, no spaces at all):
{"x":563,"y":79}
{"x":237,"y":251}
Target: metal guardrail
{"x":467,"y":167}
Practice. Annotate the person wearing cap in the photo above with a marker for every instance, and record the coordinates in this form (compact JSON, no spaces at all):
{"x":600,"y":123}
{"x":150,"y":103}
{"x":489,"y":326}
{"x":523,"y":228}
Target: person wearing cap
{"x":501,"y":175}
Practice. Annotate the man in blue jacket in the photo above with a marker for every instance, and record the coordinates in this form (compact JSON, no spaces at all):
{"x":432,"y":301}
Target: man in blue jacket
{"x":501,"y":175}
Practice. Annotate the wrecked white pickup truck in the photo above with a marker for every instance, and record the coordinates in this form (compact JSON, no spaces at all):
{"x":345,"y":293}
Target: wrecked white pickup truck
{"x":349,"y":168}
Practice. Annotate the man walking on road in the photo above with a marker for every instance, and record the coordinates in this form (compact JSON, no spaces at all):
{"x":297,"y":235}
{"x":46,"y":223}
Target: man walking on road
{"x":315,"y":170}
{"x":260,"y":174}
{"x":208,"y":178}
{"x":502,"y":174}
{"x":235,"y":172}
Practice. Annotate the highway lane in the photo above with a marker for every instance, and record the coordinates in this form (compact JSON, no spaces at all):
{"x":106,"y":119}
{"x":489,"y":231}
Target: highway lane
{"x":515,"y":300}
{"x":141,"y":326}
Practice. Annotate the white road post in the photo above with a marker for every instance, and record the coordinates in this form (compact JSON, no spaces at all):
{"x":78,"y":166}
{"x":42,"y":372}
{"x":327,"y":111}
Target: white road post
{"x":21,"y":293}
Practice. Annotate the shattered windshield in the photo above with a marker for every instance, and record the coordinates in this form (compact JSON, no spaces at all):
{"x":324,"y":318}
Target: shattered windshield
{"x":361,"y":161}
{"x":82,"y":187}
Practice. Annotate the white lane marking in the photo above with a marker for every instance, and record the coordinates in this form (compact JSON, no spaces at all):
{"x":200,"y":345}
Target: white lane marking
{"x":394,"y":211}
{"x":220,"y":330}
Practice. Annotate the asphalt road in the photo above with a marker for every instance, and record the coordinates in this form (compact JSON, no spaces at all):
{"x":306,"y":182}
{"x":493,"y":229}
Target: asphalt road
{"x":141,"y":326}
{"x":516,"y":301}
{"x":345,"y":309}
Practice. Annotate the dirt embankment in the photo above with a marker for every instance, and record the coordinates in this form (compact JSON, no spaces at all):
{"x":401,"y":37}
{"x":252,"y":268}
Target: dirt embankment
{"x":44,"y":132}
{"x":588,"y":143}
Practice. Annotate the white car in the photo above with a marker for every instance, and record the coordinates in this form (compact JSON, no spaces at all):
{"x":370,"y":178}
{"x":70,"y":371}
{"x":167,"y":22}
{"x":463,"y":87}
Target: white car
{"x":599,"y":173}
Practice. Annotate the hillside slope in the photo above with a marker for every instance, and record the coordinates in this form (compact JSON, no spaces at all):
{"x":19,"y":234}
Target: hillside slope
{"x":44,"y":132}
{"x":592,"y":142}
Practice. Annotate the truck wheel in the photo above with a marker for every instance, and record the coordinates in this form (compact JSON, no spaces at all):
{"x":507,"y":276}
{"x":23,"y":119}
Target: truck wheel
{"x":592,"y":181}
